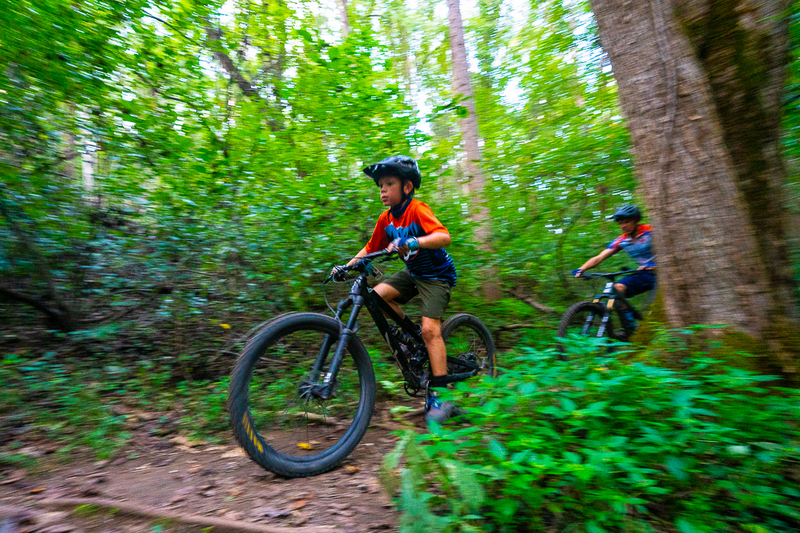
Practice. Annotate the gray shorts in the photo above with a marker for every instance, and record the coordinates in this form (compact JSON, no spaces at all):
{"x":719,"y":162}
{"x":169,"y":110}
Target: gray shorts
{"x":435,"y":293}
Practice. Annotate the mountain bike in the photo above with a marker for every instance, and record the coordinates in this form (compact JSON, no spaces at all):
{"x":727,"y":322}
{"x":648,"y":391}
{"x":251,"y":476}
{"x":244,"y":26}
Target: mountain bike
{"x":302,"y":391}
{"x":593,"y":318}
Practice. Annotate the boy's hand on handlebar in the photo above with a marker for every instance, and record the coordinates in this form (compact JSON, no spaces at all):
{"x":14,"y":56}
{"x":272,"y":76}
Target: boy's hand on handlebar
{"x":338,"y":273}
{"x":577,"y":272}
{"x":396,"y":247}
{"x":403,"y":245}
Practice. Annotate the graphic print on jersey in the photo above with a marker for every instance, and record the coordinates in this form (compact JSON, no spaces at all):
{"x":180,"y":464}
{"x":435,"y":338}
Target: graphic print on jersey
{"x":416,"y":221}
{"x":641,"y":250}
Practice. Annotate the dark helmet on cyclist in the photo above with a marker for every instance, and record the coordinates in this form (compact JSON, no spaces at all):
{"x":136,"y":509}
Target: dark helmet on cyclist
{"x":627,"y":212}
{"x":402,"y":166}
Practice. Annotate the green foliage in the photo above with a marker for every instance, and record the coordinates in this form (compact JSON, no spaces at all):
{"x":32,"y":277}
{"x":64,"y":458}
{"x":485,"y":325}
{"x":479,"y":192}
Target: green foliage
{"x":82,"y":406}
{"x":204,"y":408}
{"x":72,"y":412}
{"x":596,"y":445}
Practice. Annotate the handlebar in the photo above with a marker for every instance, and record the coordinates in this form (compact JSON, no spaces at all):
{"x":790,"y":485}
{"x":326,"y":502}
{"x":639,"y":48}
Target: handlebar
{"x":608,"y":275}
{"x":363,"y":265}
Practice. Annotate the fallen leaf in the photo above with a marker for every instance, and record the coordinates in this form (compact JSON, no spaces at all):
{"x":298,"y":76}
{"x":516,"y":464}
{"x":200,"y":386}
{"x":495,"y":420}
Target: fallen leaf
{"x":30,"y":451}
{"x":299,"y":504}
{"x":351,"y":469}
{"x":37,"y":490}
{"x":238,"y":452}
{"x":90,"y":491}
{"x":99,"y":477}
{"x":14,"y":476}
{"x":305,"y":446}
{"x":51,"y":517}
{"x":298,"y":519}
{"x":181,"y":494}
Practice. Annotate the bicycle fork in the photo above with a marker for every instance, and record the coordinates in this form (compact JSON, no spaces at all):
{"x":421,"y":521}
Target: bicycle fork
{"x":326,"y":390}
{"x":601,"y":330}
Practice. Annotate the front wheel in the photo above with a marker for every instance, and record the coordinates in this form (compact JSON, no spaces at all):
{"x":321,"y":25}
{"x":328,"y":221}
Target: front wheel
{"x":275,"y":414}
{"x":467,"y":339}
{"x":583,"y":319}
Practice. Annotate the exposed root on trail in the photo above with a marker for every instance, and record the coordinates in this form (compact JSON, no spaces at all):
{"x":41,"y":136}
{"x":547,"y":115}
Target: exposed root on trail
{"x":220,"y":524}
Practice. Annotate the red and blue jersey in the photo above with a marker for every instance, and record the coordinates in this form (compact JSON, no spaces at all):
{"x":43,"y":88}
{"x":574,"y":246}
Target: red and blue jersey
{"x":639,"y":248}
{"x":417,"y":220}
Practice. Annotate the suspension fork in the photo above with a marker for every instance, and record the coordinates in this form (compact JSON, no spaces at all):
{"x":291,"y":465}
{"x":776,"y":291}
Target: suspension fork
{"x":356,"y":301}
{"x":601,"y":330}
{"x":328,"y":341}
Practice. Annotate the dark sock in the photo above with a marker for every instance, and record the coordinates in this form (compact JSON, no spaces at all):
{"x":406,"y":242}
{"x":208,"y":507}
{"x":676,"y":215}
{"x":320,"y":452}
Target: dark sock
{"x":439,"y":382}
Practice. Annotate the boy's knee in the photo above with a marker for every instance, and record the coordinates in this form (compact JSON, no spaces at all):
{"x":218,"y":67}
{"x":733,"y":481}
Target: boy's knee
{"x":620,"y":288}
{"x":431,"y":330}
{"x":386,"y":292}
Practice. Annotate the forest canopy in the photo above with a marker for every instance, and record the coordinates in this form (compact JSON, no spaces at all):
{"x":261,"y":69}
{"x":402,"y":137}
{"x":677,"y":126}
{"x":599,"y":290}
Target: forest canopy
{"x":203,"y":160}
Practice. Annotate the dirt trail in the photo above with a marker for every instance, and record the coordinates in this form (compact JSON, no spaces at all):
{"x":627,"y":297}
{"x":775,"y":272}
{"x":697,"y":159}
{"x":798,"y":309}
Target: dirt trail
{"x":210,"y":484}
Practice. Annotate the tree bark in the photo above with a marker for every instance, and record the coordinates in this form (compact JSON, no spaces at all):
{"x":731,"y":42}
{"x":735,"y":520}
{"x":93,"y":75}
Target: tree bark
{"x":462,"y":86}
{"x":700,"y":86}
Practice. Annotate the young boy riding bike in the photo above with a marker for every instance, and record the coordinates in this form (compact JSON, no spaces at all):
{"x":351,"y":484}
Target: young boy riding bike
{"x":636,"y":239}
{"x":410,"y":228}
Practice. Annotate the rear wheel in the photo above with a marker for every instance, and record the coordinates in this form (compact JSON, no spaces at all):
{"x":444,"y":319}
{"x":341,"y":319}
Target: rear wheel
{"x":275,"y":414}
{"x":583,"y":319}
{"x":469,"y":345}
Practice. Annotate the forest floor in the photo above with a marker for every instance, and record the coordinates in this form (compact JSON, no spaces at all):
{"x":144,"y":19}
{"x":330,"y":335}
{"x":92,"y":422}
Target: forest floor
{"x":159,"y":483}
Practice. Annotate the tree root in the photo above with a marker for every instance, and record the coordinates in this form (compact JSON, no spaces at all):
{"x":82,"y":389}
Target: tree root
{"x":219,"y":524}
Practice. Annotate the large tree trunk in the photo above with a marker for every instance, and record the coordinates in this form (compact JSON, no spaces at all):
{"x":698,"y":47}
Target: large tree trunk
{"x":700,"y":86}
{"x":469,"y":134}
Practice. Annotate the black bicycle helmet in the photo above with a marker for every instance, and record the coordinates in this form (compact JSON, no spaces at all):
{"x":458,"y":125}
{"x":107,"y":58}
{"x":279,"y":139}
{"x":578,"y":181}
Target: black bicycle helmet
{"x":627,"y":211}
{"x":402,"y":166}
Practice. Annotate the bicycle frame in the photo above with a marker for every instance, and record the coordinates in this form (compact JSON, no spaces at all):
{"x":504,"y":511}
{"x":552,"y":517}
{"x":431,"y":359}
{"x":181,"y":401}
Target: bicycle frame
{"x":611,"y":296}
{"x":361,"y":295}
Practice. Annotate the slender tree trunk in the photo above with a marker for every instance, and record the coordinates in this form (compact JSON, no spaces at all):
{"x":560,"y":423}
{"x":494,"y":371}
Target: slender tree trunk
{"x":700,"y":86}
{"x":469,"y":133}
{"x":345,"y":18}
{"x":463,"y":86}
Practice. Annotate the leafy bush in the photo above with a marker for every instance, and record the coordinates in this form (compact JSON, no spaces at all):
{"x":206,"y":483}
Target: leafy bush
{"x":72,"y":411}
{"x":595,"y":445}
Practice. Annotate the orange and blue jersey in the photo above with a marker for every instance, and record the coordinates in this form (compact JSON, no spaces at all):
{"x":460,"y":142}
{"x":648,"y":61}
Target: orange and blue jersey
{"x":641,"y":249}
{"x":417,"y":220}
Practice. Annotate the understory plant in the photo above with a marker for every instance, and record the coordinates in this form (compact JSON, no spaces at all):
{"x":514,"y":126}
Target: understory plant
{"x":594,"y":445}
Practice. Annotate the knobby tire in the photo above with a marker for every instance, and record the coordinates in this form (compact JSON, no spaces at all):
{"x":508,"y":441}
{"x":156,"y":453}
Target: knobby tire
{"x":478,"y":338}
{"x":280,"y":337}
